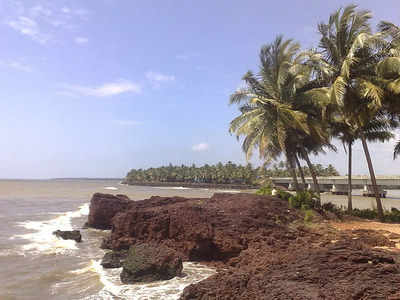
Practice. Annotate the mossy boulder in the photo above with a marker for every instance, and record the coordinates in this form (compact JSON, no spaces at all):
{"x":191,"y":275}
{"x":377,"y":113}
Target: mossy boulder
{"x":114,"y":259}
{"x":150,"y":262}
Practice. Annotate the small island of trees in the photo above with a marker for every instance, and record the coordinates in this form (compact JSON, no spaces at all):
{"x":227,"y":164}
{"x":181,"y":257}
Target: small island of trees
{"x":229,"y":173}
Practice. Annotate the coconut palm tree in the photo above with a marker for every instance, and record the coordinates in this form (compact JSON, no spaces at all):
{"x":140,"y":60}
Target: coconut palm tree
{"x":350,"y":56}
{"x":268,"y":119}
{"x":389,"y":70}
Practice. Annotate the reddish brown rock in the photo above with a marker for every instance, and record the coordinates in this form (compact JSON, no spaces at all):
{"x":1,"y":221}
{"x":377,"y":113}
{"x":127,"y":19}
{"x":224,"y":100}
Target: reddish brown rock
{"x":344,"y":270}
{"x":103,"y":207}
{"x":202,"y":229}
{"x":263,"y":248}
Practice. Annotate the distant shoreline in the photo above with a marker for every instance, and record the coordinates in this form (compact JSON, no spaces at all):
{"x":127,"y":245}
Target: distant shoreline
{"x":195,"y":185}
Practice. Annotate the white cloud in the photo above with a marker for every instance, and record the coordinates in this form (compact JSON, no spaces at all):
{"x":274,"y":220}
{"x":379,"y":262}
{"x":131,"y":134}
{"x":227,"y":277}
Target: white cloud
{"x":105,"y":90}
{"x":128,"y":122}
{"x":39,"y":10}
{"x":80,"y":40}
{"x":66,"y":10}
{"x":155,"y":76}
{"x":16,"y":65}
{"x":186,"y":56}
{"x":200,"y":147}
{"x":42,"y":22}
{"x":29,"y":27}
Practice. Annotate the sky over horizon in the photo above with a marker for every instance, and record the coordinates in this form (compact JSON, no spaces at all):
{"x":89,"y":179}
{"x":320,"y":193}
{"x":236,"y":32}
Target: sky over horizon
{"x":94,"y":88}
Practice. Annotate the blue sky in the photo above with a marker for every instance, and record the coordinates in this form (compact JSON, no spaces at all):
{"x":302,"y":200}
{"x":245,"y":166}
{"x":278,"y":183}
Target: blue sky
{"x":94,"y":88}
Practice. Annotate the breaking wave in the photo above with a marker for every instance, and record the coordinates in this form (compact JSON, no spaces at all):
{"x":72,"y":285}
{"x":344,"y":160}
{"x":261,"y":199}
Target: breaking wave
{"x":43,"y":240}
{"x":166,"y":290}
{"x":110,"y":188}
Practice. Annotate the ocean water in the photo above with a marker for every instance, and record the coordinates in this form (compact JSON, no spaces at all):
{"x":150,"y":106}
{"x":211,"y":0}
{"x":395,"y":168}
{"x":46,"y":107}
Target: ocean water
{"x":34,"y":264}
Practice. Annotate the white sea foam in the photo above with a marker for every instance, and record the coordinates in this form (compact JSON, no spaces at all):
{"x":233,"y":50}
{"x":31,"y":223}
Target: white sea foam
{"x":10,"y":252}
{"x":228,"y":191}
{"x":43,"y":240}
{"x":171,"y":188}
{"x":168,"y":290}
{"x":110,"y":188}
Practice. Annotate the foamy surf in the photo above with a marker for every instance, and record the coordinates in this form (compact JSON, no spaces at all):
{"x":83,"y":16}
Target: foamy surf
{"x":171,"y":188}
{"x":166,"y":290}
{"x":43,"y":240}
{"x":110,"y":188}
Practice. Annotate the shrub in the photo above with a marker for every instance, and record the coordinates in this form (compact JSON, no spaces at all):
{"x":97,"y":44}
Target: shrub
{"x":308,"y":215}
{"x":265,"y":191}
{"x":306,"y":198}
{"x":393,"y":215}
{"x":284,"y":195}
{"x":338,"y":211}
{"x":365,"y":213}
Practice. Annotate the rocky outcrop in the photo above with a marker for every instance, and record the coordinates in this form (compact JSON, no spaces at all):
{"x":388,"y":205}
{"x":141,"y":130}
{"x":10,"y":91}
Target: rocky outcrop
{"x":342,"y":270}
{"x":202,"y":229}
{"x":262,"y":248}
{"x":150,"y":262}
{"x":69,"y":235}
{"x":114,"y":259}
{"x":103,"y":208}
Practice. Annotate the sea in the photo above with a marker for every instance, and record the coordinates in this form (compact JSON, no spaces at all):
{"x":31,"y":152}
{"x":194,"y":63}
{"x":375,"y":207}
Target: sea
{"x":35,"y":264}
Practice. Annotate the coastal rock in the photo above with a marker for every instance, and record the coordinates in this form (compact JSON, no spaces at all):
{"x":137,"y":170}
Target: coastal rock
{"x":103,"y":208}
{"x":69,"y":235}
{"x":344,"y":270}
{"x":113,"y":259}
{"x":201,"y":229}
{"x":261,"y":248}
{"x":149,"y":262}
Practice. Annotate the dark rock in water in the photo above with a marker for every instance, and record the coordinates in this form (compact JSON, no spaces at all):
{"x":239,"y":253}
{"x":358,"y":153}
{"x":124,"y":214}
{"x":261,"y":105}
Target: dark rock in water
{"x":114,"y":259}
{"x":149,"y":262}
{"x":69,"y":235}
{"x":105,"y":243}
{"x":103,"y":207}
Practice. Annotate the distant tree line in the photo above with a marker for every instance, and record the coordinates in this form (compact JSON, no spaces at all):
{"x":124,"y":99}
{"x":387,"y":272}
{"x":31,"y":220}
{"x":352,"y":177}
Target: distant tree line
{"x":229,"y":173}
{"x":282,"y":170}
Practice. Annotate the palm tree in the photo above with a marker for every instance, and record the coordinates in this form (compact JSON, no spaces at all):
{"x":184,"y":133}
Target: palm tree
{"x":350,"y":55}
{"x":396,"y":151}
{"x":268,"y":120}
{"x":389,"y":70}
{"x":303,"y":180}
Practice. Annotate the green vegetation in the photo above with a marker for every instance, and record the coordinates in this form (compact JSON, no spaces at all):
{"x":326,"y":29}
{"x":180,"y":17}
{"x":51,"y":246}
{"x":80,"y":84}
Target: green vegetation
{"x":228,"y":173}
{"x":347,"y":88}
{"x":304,"y":200}
{"x":308,"y":201}
{"x":371,"y":214}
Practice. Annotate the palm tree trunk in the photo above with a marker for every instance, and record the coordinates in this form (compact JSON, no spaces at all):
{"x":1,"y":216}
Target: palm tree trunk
{"x":312,"y":171}
{"x":373,"y":179}
{"x":292,"y":171}
{"x":303,"y":180}
{"x":349,"y":196}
